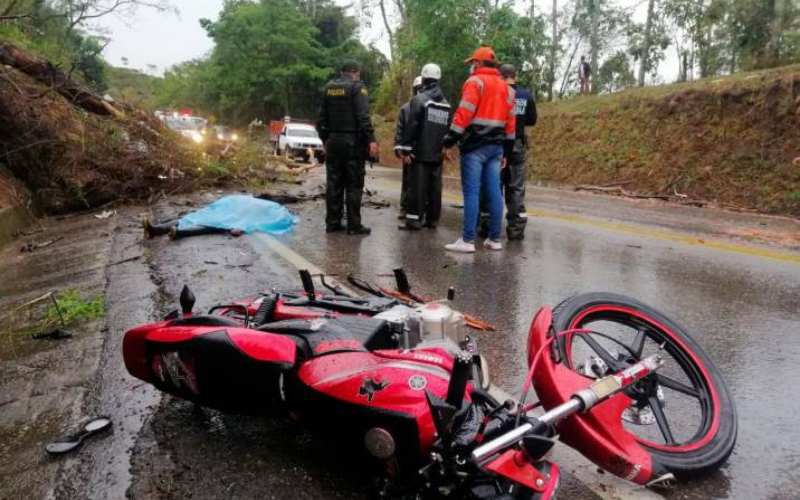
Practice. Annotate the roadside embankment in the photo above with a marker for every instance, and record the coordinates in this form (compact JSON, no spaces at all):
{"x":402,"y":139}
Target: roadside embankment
{"x":729,"y":141}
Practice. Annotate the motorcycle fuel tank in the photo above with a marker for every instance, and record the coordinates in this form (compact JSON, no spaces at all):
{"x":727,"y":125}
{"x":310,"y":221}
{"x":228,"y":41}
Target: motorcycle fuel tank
{"x":355,"y":392}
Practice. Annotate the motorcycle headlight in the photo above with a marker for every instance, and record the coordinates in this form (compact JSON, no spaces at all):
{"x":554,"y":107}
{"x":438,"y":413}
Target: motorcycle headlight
{"x":197,"y":138}
{"x":234,"y":137}
{"x":219,"y":136}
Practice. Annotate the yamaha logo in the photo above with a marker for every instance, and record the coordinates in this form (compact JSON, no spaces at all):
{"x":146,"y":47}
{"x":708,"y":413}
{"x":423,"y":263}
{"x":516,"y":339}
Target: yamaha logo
{"x":417,"y":382}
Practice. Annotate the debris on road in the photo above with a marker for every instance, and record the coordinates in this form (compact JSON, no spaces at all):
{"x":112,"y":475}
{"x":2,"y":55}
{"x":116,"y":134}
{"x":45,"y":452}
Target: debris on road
{"x":71,"y":442}
{"x":33,"y":246}
{"x":106,"y":214}
{"x":55,"y":334}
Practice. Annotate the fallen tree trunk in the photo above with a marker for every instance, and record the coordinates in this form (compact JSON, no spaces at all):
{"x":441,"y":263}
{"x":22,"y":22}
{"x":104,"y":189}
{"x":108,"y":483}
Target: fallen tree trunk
{"x":45,"y":72}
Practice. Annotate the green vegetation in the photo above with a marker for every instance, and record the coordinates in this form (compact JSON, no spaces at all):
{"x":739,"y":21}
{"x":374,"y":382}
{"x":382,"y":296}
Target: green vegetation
{"x":733,"y":140}
{"x":132,"y":87}
{"x":270,"y":58}
{"x":74,"y":307}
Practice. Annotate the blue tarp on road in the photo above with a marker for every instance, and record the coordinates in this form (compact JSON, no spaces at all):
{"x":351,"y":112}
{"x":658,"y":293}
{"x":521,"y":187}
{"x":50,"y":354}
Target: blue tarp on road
{"x":242,"y":212}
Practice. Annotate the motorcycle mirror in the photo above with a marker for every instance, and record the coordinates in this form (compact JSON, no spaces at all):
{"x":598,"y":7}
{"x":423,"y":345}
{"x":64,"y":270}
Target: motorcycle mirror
{"x":308,"y":284}
{"x":451,"y":293}
{"x":402,"y":281}
{"x":187,"y":300}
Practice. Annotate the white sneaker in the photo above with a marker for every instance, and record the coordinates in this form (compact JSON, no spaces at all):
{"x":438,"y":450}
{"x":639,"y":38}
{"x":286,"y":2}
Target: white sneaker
{"x":461,"y":246}
{"x":492,"y":244}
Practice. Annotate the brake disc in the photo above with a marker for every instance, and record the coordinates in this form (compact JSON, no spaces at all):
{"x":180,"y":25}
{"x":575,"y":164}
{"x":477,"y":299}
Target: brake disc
{"x":643,"y":416}
{"x":594,"y":367}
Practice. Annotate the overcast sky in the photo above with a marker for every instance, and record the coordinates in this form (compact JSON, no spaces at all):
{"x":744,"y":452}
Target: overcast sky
{"x":163,"y":39}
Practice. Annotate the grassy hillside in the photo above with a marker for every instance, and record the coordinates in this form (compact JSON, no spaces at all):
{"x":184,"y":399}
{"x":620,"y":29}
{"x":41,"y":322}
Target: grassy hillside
{"x":732,"y":140}
{"x":132,"y":86}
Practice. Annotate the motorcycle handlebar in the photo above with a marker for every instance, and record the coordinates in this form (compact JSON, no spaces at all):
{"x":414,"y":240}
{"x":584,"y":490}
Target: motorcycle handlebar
{"x":583,"y":401}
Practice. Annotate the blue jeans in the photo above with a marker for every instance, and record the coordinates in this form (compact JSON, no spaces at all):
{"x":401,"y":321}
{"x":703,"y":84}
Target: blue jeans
{"x":481,"y":167}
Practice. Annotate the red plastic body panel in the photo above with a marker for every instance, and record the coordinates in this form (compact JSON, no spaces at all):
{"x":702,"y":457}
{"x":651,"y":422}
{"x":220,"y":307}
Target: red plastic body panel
{"x":513,"y":465}
{"x":260,"y":346}
{"x":599,"y":434}
{"x":401,"y":385}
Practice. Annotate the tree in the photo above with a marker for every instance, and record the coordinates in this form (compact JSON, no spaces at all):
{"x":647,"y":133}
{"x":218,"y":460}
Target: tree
{"x":646,"y":42}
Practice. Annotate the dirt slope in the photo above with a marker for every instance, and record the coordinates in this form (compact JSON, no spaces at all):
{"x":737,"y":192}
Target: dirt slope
{"x":71,"y":159}
{"x":730,"y":140}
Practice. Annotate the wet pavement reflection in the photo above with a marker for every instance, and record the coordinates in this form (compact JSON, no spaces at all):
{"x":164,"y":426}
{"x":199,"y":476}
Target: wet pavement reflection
{"x":742,"y":310}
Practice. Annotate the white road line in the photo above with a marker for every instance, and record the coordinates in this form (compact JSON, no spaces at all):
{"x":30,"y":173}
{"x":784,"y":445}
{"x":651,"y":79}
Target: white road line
{"x":606,"y":486}
{"x":298,"y":261}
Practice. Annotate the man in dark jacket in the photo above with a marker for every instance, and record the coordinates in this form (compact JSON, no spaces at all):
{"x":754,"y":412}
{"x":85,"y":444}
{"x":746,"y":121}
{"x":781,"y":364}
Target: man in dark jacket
{"x":421,"y":147}
{"x":402,"y":120}
{"x":345,"y":127}
{"x":513,"y":177}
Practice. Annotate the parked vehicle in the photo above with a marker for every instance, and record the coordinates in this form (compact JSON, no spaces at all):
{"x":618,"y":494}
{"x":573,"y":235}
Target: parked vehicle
{"x":191,"y":129}
{"x":295,"y":139}
{"x":223,"y":133}
{"x":409,"y":387}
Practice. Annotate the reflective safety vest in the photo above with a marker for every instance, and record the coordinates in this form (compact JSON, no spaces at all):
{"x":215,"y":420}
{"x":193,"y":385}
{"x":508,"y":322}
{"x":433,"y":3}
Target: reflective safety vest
{"x":486,"y":112}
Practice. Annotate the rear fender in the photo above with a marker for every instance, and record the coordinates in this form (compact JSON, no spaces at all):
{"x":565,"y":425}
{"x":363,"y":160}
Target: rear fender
{"x":599,"y":434}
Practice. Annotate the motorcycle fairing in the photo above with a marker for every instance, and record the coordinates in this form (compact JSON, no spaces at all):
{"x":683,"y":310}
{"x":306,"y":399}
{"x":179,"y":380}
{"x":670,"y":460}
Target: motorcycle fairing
{"x":226,"y":368}
{"x":599,"y":434}
{"x":379,"y":384}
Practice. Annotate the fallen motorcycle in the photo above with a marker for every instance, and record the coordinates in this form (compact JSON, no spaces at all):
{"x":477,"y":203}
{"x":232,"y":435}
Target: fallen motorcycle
{"x":408,"y":385}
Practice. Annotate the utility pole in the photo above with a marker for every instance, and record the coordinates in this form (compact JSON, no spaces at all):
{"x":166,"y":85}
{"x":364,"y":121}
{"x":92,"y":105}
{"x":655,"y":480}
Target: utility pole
{"x":646,"y":45}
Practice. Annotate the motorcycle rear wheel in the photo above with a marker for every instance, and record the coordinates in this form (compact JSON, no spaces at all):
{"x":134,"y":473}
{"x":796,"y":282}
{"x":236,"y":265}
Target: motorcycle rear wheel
{"x":712,"y":444}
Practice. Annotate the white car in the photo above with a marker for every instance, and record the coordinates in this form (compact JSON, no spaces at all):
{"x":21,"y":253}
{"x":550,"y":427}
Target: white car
{"x":187,"y":128}
{"x":299,"y":140}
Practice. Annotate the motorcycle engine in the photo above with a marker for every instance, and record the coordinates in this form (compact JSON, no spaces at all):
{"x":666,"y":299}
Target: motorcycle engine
{"x":434,"y":324}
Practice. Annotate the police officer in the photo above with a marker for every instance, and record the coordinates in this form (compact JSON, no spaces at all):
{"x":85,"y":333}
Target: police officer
{"x":514,"y":177}
{"x":345,"y":127}
{"x":402,"y":120}
{"x":429,"y":117}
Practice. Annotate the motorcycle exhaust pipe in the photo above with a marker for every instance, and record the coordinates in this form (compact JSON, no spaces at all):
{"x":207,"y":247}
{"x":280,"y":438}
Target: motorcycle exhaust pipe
{"x":581,"y":401}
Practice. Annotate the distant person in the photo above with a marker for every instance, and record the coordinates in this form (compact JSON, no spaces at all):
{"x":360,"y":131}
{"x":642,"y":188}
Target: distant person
{"x":402,"y":119}
{"x":345,"y":127}
{"x":585,"y":76}
{"x":484,"y":127}
{"x":421,"y":148}
{"x":514,"y":176}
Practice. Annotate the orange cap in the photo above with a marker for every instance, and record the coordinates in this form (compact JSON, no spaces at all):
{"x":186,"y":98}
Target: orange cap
{"x":482,"y":54}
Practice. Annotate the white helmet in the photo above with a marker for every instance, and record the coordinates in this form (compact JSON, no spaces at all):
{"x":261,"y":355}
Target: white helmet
{"x":417,"y":82}
{"x":431,"y":70}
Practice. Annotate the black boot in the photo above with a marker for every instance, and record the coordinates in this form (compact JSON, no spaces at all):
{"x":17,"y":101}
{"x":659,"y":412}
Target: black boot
{"x":359,"y":230}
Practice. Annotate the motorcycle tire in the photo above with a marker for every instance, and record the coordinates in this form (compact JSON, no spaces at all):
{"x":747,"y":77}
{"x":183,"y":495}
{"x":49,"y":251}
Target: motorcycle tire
{"x":704,"y":453}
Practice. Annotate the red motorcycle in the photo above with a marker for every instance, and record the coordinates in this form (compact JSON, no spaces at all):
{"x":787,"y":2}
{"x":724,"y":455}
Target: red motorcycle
{"x":408,"y":386}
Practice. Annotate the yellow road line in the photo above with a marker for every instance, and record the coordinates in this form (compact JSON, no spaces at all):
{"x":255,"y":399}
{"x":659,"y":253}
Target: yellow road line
{"x":686,"y":239}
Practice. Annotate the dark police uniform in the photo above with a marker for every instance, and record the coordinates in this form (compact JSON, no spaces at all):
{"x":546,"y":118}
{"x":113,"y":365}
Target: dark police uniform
{"x":513,"y":177}
{"x":345,"y":127}
{"x":402,"y":121}
{"x":429,"y":117}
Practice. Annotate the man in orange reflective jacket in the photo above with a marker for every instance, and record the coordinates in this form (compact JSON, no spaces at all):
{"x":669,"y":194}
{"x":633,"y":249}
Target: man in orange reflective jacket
{"x":484,"y":127}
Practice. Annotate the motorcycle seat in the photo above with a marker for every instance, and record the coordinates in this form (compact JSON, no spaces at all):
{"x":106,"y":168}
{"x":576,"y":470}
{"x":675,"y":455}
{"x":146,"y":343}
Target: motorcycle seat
{"x":321,"y":336}
{"x":206,"y":320}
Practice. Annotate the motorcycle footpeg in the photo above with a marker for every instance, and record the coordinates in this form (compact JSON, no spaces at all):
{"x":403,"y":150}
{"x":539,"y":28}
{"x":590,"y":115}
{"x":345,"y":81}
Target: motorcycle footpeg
{"x":664,"y":482}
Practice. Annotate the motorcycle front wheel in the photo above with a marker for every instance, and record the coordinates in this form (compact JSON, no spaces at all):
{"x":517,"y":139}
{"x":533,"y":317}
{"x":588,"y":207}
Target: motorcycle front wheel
{"x":686,"y":419}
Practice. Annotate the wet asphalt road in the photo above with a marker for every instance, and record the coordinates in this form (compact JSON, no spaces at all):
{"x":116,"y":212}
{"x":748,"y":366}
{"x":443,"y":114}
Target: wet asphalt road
{"x":743,"y":309}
